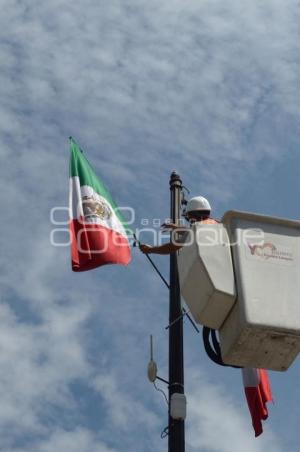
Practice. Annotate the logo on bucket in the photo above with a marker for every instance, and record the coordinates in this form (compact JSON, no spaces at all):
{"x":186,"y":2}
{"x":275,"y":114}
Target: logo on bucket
{"x":269,"y":251}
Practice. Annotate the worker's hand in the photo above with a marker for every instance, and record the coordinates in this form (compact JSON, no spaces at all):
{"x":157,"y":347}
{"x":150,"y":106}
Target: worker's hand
{"x":169,"y":226}
{"x":146,"y":249}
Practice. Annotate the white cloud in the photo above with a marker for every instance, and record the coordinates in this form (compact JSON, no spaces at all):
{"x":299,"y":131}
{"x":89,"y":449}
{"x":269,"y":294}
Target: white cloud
{"x":217,"y":423}
{"x":123,"y":408}
{"x":39,"y":361}
{"x":199,"y":81}
{"x":79,"y":440}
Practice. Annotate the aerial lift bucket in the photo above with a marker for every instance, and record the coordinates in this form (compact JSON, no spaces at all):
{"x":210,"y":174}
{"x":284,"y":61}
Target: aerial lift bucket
{"x":206,"y":274}
{"x":263,"y":328}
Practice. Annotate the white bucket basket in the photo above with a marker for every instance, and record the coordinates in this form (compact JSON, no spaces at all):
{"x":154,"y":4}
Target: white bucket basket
{"x":263,"y":328}
{"x":206,"y":274}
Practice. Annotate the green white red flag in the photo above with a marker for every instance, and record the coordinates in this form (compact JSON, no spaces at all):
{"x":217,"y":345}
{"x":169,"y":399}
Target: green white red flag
{"x":258,"y":393}
{"x":99,"y":234}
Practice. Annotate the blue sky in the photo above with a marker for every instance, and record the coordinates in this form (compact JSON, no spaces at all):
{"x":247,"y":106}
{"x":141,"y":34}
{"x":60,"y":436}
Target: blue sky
{"x":208,"y":88}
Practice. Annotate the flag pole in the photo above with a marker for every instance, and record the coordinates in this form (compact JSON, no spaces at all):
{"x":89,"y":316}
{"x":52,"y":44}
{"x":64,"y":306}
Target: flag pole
{"x":176,"y":365}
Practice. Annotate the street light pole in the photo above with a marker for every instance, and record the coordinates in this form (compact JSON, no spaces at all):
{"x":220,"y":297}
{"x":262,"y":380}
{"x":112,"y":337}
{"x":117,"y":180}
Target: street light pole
{"x":176,"y":364}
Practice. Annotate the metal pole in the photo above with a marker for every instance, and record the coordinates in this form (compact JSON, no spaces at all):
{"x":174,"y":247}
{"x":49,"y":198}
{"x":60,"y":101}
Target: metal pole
{"x":176,"y":366}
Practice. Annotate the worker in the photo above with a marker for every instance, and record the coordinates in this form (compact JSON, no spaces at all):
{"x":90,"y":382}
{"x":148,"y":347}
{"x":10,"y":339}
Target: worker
{"x":197,"y":210}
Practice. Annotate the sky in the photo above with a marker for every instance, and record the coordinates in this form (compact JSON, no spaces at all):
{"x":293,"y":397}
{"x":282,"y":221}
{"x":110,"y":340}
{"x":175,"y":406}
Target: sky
{"x":208,"y":88}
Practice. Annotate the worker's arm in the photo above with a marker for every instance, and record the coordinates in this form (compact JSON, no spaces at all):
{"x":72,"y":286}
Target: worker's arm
{"x":167,"y":248}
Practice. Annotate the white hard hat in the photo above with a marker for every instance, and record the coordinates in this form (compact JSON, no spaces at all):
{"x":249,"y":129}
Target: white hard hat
{"x":198,"y":203}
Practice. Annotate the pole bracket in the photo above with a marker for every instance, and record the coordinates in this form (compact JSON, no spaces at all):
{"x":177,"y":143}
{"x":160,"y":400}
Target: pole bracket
{"x":184,"y":312}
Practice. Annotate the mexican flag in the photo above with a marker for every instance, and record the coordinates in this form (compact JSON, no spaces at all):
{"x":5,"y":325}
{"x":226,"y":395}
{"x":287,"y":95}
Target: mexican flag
{"x":258,"y":393}
{"x":98,"y":231}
